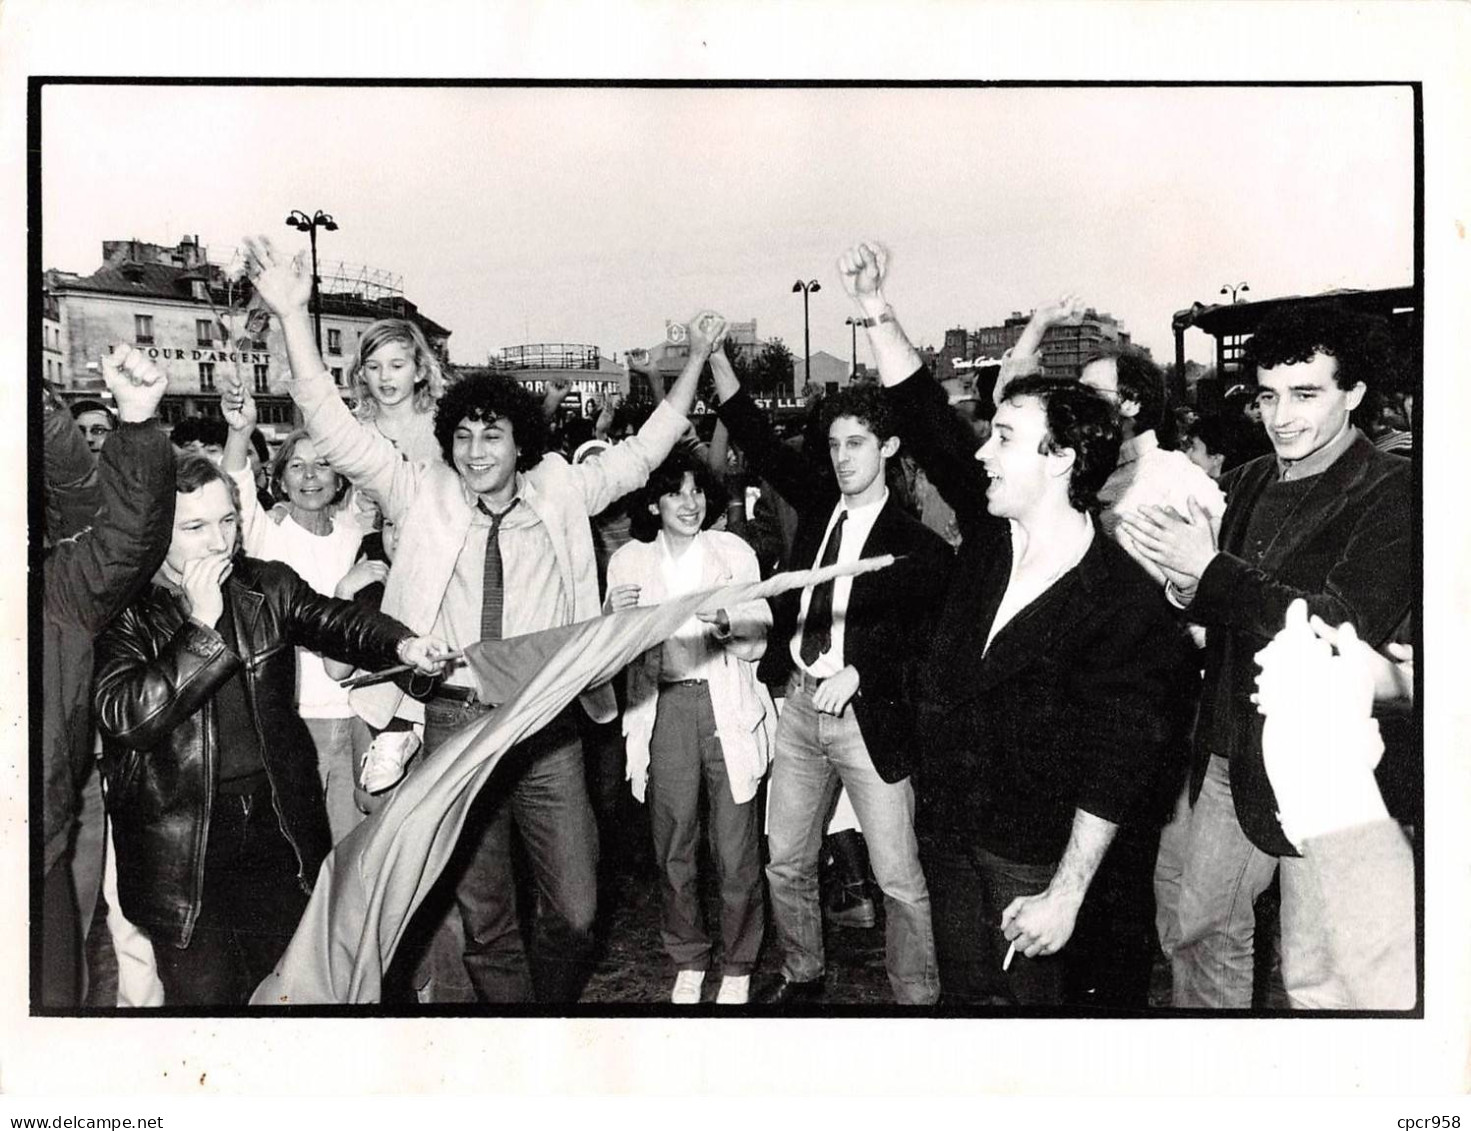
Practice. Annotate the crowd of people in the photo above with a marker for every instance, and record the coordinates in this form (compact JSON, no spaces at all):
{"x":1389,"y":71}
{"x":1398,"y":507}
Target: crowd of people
{"x":1116,"y":684}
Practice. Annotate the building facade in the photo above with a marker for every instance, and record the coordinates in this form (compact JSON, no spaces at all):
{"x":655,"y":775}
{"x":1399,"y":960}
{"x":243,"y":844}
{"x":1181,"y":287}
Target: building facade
{"x":198,"y":323}
{"x":1065,"y":349}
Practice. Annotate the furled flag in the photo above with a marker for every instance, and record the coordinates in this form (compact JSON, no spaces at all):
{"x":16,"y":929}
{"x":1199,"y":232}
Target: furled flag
{"x":371,"y":884}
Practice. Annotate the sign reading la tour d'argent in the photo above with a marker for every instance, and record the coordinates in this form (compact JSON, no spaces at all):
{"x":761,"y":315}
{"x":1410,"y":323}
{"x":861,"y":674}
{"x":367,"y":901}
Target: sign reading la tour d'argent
{"x":155,"y":353}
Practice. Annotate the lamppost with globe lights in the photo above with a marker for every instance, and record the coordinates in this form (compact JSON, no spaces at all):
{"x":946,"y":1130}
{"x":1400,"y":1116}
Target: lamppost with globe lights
{"x":1233,"y":290}
{"x":807,"y":288}
{"x":309,"y":224}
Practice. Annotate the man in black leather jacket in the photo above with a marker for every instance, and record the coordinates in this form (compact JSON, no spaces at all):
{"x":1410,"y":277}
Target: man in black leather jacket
{"x":217,"y":809}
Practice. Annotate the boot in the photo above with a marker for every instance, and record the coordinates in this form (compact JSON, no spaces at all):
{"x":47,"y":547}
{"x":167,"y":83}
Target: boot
{"x":849,"y":904}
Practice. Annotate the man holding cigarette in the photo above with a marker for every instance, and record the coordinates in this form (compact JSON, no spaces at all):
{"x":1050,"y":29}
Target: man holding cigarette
{"x":1046,"y":698}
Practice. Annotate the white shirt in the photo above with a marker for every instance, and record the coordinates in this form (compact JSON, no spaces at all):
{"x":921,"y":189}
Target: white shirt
{"x":1018,"y":597}
{"x":688,"y":650}
{"x":855,"y":533}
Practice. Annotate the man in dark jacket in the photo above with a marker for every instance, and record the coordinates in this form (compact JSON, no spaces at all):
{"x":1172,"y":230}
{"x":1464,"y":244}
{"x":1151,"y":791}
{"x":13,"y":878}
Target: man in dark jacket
{"x":842,"y":650}
{"x":1047,"y":698}
{"x":1327,"y":519}
{"x":217,"y":808}
{"x":107,"y":529}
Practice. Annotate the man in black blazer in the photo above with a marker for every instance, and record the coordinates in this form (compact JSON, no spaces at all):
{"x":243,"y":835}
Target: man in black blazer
{"x":842,"y":649}
{"x":1051,"y":687}
{"x":1326,"y":518}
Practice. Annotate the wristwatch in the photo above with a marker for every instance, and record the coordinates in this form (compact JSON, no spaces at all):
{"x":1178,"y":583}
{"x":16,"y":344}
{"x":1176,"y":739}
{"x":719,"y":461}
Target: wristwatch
{"x":870,"y":323}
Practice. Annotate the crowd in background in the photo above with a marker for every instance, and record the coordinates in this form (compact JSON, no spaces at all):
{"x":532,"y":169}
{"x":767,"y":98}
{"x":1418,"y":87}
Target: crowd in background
{"x":1115,"y":687}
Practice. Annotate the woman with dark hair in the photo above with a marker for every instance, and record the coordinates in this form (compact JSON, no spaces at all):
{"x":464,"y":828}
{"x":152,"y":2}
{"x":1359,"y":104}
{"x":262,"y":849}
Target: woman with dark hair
{"x":321,"y":545}
{"x":697,"y":716}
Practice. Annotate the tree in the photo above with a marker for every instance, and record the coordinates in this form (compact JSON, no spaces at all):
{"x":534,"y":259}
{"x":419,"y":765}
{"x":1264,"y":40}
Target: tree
{"x":772,"y":370}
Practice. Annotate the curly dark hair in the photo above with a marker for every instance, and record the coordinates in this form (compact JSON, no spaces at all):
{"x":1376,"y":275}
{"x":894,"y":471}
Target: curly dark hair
{"x":1139,"y":380}
{"x":1080,"y":418}
{"x":208,"y":430}
{"x":492,"y":396}
{"x":1360,"y":343}
{"x":668,"y":478}
{"x":865,"y":404}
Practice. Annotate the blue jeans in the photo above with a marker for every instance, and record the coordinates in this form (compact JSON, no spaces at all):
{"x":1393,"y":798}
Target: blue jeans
{"x":1207,"y":881}
{"x":340,"y":746}
{"x":814,"y":754}
{"x":540,"y":789}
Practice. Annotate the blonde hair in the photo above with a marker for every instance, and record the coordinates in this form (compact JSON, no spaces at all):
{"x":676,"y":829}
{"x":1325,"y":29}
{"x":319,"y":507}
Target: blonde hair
{"x":428,"y":376}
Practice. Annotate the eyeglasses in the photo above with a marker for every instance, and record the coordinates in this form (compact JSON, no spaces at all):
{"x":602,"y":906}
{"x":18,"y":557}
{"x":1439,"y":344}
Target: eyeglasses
{"x":96,"y":429}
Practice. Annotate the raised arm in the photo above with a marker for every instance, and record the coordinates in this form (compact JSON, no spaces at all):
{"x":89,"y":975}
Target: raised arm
{"x":237,"y":406}
{"x":363,"y":454}
{"x":73,"y":493}
{"x":800,"y":478}
{"x":862,"y":269}
{"x":626,"y":467}
{"x":88,"y":579}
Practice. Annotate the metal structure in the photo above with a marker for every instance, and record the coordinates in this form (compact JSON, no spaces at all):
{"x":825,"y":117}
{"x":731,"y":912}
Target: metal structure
{"x":548,"y":355}
{"x":853,"y":324}
{"x":358,"y":280}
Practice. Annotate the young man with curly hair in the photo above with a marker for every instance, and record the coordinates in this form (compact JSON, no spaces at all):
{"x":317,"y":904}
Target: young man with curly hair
{"x":494,"y":541}
{"x":1046,"y":698}
{"x":1326,"y":518}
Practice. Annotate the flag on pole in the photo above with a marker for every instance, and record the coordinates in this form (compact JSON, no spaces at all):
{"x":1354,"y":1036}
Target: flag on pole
{"x":376,"y":877}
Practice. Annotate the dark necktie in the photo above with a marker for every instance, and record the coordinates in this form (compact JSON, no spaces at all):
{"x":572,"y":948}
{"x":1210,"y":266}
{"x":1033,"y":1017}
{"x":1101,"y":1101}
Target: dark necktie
{"x":817,"y":630}
{"x":493,"y":601}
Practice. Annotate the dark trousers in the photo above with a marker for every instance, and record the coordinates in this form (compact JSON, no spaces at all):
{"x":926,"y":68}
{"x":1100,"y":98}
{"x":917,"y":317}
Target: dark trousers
{"x":969,"y":889}
{"x":540,"y":790}
{"x":685,"y":754}
{"x":61,"y":944}
{"x":252,"y":904}
{"x":1110,"y":957}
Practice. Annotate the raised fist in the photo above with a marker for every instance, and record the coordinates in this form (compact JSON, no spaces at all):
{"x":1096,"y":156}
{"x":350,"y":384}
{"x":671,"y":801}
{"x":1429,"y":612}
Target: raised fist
{"x":862,"y":269}
{"x":705,"y":330}
{"x":284,"y":285}
{"x":1060,"y":312}
{"x":237,"y":406}
{"x":136,"y":384}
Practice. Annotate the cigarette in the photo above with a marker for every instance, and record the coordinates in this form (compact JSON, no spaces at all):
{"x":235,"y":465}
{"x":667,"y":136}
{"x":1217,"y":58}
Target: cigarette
{"x":1010,"y":954}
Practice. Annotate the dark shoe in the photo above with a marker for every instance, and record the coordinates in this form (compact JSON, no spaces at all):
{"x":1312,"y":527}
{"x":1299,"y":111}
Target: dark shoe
{"x":850,"y":907}
{"x":787,"y":992}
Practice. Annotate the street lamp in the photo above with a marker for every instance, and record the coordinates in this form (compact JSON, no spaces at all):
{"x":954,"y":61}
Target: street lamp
{"x":1234,"y":290}
{"x":808,"y":288}
{"x":853,"y":323}
{"x":309,"y":224}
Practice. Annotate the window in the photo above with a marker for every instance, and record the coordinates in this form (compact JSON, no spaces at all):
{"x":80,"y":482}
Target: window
{"x":206,"y":376}
{"x":143,"y":329}
{"x":334,"y":341}
{"x":337,"y":374}
{"x":204,"y":332}
{"x":262,"y":378}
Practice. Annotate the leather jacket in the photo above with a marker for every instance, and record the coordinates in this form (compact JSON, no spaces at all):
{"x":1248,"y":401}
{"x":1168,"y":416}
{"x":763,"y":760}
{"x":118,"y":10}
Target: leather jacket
{"x":156,"y":677}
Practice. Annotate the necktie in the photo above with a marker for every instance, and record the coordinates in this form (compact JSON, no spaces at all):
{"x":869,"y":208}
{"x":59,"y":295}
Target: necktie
{"x":493,"y":601}
{"x":817,"y":630}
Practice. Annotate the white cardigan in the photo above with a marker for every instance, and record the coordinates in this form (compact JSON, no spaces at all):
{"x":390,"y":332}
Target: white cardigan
{"x":745,"y":717}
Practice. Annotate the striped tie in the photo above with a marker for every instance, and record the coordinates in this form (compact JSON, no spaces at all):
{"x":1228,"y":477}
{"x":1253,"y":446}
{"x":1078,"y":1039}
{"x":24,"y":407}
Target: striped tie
{"x":493,"y":601}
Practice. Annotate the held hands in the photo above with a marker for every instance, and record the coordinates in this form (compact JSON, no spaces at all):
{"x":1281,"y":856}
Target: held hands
{"x":136,"y":384}
{"x":862,"y":269}
{"x":835,"y":693}
{"x":428,"y":654}
{"x":237,"y":406}
{"x":202,"y":578}
{"x":359,"y":577}
{"x":621,"y":597}
{"x":1040,"y":924}
{"x":1181,"y":546}
{"x":707,"y":330}
{"x":284,"y":285}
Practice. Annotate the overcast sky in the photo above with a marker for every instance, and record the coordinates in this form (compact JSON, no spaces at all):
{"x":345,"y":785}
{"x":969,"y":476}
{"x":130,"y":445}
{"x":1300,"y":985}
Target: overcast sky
{"x":591,"y":215}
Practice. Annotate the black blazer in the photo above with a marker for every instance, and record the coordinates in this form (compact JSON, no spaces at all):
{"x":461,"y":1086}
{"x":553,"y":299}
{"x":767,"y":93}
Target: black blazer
{"x":1348,"y":548}
{"x":888,"y":611}
{"x":157,"y":674}
{"x":1083,"y":699}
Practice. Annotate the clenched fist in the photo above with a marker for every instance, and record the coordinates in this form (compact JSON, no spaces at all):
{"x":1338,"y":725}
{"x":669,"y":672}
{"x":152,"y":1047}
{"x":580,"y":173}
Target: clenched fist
{"x":136,"y":384}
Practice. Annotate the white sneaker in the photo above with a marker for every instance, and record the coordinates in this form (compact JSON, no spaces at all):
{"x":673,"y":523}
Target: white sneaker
{"x":687,"y":987}
{"x":735,"y":989}
{"x":385,"y":760}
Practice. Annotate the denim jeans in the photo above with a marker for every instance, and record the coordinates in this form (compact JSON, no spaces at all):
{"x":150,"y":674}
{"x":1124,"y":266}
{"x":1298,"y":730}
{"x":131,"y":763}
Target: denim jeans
{"x":815,"y":753}
{"x":340,"y":745}
{"x":538,"y":788}
{"x":685,"y":753}
{"x":1207,"y":918}
{"x":970,"y":889}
